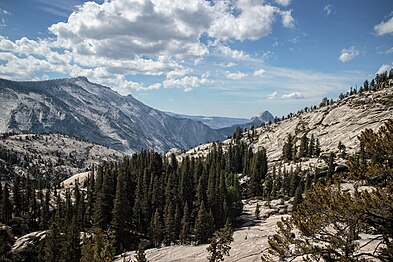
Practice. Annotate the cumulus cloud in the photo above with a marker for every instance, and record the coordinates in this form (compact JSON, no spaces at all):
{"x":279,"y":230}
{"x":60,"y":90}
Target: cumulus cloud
{"x":259,"y":72}
{"x":347,"y":54}
{"x":384,"y":27}
{"x":293,"y":95}
{"x":328,"y":9}
{"x":111,"y":41}
{"x":253,"y":22}
{"x":231,"y":53}
{"x":235,"y":75}
{"x":187,"y":82}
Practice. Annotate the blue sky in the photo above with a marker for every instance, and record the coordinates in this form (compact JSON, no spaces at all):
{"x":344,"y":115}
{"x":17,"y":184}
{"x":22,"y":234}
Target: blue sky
{"x":228,"y":58}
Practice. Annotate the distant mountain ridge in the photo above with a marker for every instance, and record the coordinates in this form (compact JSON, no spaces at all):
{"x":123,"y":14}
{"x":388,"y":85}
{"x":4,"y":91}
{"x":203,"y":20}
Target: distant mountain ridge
{"x":227,"y":125}
{"x":256,"y":121}
{"x":215,"y":122}
{"x":77,"y":107}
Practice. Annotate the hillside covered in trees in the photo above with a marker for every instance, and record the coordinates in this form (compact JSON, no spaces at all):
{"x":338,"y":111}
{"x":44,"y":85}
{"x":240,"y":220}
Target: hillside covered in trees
{"x":149,"y":200}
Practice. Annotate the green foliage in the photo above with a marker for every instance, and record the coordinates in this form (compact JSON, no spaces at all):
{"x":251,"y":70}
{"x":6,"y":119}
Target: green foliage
{"x":203,"y":225}
{"x":220,"y":244}
{"x":140,"y":254}
{"x":374,"y":161}
{"x":6,"y":241}
{"x":330,"y":223}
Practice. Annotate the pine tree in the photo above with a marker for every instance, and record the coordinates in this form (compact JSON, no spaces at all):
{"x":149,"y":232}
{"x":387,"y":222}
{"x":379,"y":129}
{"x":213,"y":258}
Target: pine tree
{"x":185,"y":226}
{"x":346,"y":219}
{"x":220,"y":244}
{"x":71,"y":250}
{"x":303,"y":149}
{"x":287,"y":148}
{"x":170,"y":224}
{"x":17,"y":196}
{"x":297,"y":199}
{"x":53,"y":244}
{"x":103,"y":248}
{"x":258,"y":173}
{"x":121,"y":212}
{"x":6,"y":207}
{"x":311,"y":146}
{"x":140,"y":254}
{"x":330,"y":166}
{"x":156,"y":229}
{"x":203,"y":228}
{"x":44,"y":214}
{"x":87,"y":250}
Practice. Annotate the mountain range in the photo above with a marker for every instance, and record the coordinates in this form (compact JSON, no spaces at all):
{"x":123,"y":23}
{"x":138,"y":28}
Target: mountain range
{"x":227,"y":125}
{"x":96,"y":113}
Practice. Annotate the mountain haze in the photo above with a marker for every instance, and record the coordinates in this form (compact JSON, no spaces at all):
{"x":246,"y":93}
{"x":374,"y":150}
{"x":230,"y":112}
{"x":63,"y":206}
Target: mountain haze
{"x":215,"y":122}
{"x":96,"y":113}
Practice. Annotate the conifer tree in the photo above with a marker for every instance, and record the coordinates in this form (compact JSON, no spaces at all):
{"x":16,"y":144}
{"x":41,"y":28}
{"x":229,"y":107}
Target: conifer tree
{"x":346,"y":219}
{"x":170,"y":224}
{"x":87,"y":250}
{"x":156,"y":229}
{"x":220,"y":244}
{"x":33,"y":212}
{"x":311,"y":146}
{"x":203,"y":227}
{"x":288,"y":148}
{"x":6,"y":207}
{"x":17,"y":196}
{"x":71,"y":250}
{"x":53,"y":244}
{"x":258,"y":173}
{"x":103,"y":247}
{"x":330,"y":166}
{"x":303,"y":149}
{"x":297,"y":199}
{"x":185,"y":226}
{"x":140,"y":254}
{"x":121,"y":212}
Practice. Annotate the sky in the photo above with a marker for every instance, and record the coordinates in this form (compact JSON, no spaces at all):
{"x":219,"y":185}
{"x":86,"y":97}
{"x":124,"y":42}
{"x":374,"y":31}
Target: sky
{"x":202,"y":57}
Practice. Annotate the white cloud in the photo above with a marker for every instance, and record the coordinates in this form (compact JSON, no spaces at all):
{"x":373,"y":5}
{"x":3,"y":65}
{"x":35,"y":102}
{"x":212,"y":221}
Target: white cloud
{"x":347,"y":54}
{"x":328,"y":9}
{"x":118,"y":39}
{"x":259,"y":72}
{"x":384,"y":27}
{"x":187,"y":82}
{"x":293,"y":95}
{"x":283,"y":2}
{"x":272,"y":96}
{"x":235,"y":75}
{"x":178,"y":72}
{"x":229,"y":52}
{"x":383,"y":69}
{"x":287,"y":18}
{"x":253,"y":22}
